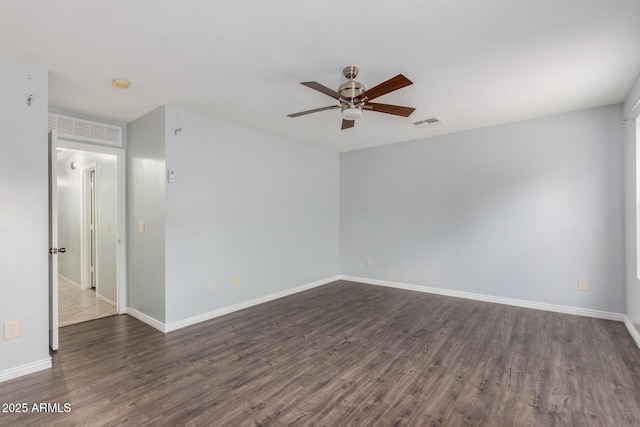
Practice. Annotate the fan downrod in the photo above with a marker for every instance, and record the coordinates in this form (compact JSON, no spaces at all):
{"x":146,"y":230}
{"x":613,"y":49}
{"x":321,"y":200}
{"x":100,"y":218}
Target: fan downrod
{"x":351,"y":88}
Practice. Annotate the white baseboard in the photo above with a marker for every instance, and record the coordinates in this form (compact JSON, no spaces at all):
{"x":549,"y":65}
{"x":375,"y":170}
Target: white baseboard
{"x":146,"y":319}
{"x":76,"y":284}
{"x":245,"y":304}
{"x":489,"y":298}
{"x":179,"y":324}
{"x":29,"y":368}
{"x":632,"y":330}
{"x":107,"y":300}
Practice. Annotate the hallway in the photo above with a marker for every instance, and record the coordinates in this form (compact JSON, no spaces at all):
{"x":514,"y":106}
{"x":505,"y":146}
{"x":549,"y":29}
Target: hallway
{"x":79,"y":305}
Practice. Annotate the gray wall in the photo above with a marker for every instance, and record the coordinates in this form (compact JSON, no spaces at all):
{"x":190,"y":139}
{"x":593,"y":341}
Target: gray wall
{"x":23,"y":217}
{"x":632,"y":308}
{"x":519,"y":211}
{"x":244,"y":204}
{"x":146,"y":202}
{"x":70,"y":217}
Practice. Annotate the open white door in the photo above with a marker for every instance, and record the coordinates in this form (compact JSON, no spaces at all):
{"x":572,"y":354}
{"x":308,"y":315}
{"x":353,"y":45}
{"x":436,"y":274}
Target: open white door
{"x":53,"y":240}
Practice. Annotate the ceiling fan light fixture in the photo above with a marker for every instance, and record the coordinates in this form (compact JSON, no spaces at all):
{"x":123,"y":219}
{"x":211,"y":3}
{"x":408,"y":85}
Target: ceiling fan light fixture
{"x":351,"y":113}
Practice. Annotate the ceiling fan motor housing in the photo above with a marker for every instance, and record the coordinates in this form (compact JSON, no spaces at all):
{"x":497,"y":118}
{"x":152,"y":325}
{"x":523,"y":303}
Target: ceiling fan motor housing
{"x":351,"y":89}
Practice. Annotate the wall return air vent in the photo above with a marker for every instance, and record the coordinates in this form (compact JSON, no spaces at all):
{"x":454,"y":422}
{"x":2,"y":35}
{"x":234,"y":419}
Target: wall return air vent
{"x":433,"y":121}
{"x":85,"y":130}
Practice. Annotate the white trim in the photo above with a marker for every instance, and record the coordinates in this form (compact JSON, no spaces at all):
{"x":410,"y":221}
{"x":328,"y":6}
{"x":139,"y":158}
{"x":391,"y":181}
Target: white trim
{"x":53,"y":240}
{"x":65,"y":278}
{"x":105,"y":299}
{"x":179,"y":324}
{"x":29,"y":368}
{"x":632,"y":330}
{"x":85,"y":238}
{"x":146,"y":319}
{"x":597,"y":314}
{"x":246,"y":304}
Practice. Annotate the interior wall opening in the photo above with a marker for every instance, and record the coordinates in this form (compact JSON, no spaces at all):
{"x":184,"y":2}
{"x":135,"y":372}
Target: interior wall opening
{"x":87,"y":215}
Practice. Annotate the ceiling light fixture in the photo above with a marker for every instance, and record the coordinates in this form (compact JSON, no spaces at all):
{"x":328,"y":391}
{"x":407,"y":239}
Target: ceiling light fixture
{"x":121,"y":83}
{"x":351,"y":112}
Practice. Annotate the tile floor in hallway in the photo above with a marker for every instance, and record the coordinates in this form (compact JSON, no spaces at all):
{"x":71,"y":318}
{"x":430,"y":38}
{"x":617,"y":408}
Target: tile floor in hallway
{"x":77,"y":305}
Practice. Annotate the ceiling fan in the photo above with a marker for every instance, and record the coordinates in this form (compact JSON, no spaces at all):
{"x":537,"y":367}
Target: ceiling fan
{"x":353,"y":98}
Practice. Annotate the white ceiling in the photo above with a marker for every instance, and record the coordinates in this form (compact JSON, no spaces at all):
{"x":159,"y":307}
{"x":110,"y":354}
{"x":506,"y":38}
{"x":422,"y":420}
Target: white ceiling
{"x":473,"y":63}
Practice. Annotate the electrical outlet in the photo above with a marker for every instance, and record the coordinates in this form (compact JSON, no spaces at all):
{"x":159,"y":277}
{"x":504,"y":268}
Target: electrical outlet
{"x":11,"y":329}
{"x":583,"y":284}
{"x":236,"y":281}
{"x":369,"y":262}
{"x":209,"y":287}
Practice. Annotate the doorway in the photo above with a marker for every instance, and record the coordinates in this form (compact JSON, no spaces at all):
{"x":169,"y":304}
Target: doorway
{"x":88,"y":256}
{"x":86,"y":210}
{"x":89,"y":278}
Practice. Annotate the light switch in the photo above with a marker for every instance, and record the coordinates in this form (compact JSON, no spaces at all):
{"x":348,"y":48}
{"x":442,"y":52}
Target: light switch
{"x":141,"y":227}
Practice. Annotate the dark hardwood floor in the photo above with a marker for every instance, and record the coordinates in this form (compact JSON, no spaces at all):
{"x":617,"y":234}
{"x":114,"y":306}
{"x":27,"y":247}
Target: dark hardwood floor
{"x":343,"y":354}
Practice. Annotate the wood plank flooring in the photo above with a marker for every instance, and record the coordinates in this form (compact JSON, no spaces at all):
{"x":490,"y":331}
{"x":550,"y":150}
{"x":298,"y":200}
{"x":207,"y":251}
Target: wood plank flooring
{"x":343,"y":354}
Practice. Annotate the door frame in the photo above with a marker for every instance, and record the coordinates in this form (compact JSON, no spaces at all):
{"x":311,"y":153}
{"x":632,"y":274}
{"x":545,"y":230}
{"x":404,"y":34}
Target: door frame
{"x":121,"y":229}
{"x":85,"y":237}
{"x":53,"y":240}
{"x":121,"y":238}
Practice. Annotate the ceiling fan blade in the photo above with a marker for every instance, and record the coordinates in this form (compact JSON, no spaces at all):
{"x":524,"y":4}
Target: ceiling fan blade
{"x":398,"y":110}
{"x":346,"y":124}
{"x":322,"y":88}
{"x":394,"y":83}
{"x":315,"y":110}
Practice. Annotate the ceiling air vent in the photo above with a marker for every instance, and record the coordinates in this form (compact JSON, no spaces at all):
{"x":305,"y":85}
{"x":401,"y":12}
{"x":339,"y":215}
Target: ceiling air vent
{"x":84,"y":130}
{"x":433,"y":121}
